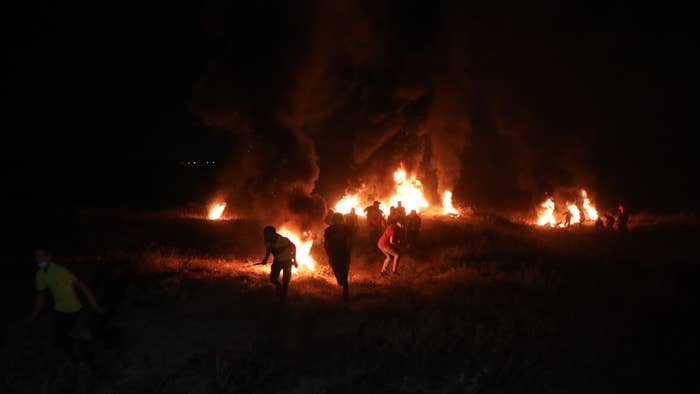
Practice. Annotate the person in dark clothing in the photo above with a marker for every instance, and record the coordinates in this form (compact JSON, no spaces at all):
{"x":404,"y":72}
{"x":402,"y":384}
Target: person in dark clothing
{"x":375,"y":222}
{"x":599,"y":223}
{"x":284,"y":253}
{"x":567,"y":218}
{"x":329,"y":217}
{"x":621,"y":218}
{"x":393,"y":216}
{"x":413,"y":222}
{"x":400,"y":213}
{"x":351,"y":221}
{"x":609,"y":221}
{"x":337,"y":243}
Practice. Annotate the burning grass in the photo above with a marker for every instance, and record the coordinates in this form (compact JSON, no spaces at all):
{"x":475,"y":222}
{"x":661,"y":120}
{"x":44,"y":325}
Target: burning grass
{"x":482,"y":305}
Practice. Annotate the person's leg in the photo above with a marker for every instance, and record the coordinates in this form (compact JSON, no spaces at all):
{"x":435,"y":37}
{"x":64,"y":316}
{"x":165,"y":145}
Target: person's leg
{"x":286,"y":278}
{"x":275,"y":275}
{"x":387,"y":259}
{"x":397,"y":256}
{"x":63,"y":324}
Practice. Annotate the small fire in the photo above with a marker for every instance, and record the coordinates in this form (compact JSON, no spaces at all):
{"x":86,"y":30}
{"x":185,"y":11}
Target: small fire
{"x":409,"y":191}
{"x":447,"y":207}
{"x":547,"y":215}
{"x":303,"y":242}
{"x":591,"y":212}
{"x":347,"y":203}
{"x":216,"y":211}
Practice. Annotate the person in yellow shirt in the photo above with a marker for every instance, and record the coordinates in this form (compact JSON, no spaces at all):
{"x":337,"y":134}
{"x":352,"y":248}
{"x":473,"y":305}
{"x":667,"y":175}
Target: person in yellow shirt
{"x":60,"y":283}
{"x":285,"y":256}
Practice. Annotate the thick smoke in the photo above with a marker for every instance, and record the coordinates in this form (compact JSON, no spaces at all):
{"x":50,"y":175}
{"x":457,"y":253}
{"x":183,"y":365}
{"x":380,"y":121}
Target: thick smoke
{"x":359,"y":87}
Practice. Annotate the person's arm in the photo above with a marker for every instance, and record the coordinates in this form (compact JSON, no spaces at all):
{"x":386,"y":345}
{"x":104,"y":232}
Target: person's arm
{"x":88,"y":294}
{"x":294,"y":254}
{"x":264,"y":260}
{"x":39,"y":302}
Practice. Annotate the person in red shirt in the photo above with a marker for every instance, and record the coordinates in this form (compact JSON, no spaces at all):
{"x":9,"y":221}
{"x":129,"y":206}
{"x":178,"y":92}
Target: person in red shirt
{"x":388,"y":244}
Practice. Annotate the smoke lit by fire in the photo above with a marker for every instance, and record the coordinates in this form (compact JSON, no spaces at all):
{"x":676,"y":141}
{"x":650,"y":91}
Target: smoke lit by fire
{"x":216,"y":211}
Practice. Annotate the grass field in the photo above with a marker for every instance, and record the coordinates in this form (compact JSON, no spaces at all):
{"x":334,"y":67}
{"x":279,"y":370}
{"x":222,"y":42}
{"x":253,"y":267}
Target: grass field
{"x":483,"y":305}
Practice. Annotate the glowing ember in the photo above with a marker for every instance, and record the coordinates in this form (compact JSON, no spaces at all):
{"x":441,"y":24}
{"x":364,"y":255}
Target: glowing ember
{"x":409,"y":191}
{"x":303,"y":242}
{"x":347,"y":203}
{"x":447,"y":208}
{"x":216,"y":211}
{"x":575,"y":214}
{"x":591,"y":212}
{"x":547,"y":215}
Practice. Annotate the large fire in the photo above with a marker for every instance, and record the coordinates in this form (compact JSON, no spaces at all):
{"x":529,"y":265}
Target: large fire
{"x":591,"y":212}
{"x":216,"y":211}
{"x":547,"y":215}
{"x":347,"y":203}
{"x":447,"y":207}
{"x":303,"y":242}
{"x":408,"y":189}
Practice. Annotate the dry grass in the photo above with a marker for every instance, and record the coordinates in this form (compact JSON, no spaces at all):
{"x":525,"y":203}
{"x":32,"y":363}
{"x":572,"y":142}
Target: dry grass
{"x":482,"y":306}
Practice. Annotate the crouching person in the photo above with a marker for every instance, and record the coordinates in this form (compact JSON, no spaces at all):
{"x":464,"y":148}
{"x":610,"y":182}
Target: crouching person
{"x":284,"y":254}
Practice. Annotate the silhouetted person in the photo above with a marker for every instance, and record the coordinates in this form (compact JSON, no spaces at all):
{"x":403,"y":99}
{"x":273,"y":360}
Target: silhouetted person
{"x":400,"y":212}
{"x":609,"y":221}
{"x":351,"y":221}
{"x":413,"y":222}
{"x":393,"y":216}
{"x":567,"y":218}
{"x":599,"y":223}
{"x":284,"y":253}
{"x":337,"y":243}
{"x":621,"y":218}
{"x":389,"y":245}
{"x":329,"y":217}
{"x":56,"y":280}
{"x":375,"y":222}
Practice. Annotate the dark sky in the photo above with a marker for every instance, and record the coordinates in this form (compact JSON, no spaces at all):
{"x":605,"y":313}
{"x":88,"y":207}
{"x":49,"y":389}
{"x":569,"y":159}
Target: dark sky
{"x":501,"y":101}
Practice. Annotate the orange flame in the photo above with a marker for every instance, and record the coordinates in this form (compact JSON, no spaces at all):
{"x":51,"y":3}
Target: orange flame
{"x":347,"y":203}
{"x":547,"y":215}
{"x":447,"y":207}
{"x":409,"y":191}
{"x":591,"y":212}
{"x":216,"y":211}
{"x":575,"y":214}
{"x":303,"y":242}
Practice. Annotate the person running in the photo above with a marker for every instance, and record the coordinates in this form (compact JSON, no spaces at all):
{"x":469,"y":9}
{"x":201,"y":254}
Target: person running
{"x":337,"y":243}
{"x":284,"y":253}
{"x":389,"y":245}
{"x":58,"y":282}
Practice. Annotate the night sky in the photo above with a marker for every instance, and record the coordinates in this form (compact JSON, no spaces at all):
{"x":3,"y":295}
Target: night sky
{"x":498,"y":101}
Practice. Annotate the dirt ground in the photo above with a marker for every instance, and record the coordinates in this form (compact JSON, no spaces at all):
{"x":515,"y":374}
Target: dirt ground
{"x":482,"y":305}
